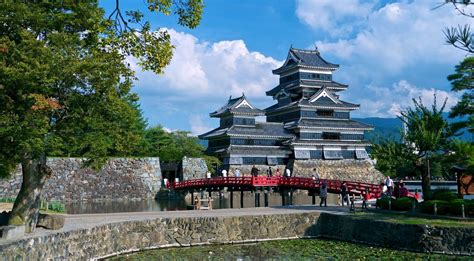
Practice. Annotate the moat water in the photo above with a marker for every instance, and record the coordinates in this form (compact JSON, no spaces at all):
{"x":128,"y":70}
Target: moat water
{"x":172,"y":204}
{"x":300,"y":249}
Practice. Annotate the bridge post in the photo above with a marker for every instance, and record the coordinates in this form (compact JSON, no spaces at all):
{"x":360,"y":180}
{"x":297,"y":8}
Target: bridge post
{"x":283,"y":192}
{"x":192,"y":197}
{"x":313,"y":195}
{"x":265,"y":198}
{"x":291,"y":196}
{"x":232,"y":199}
{"x":241,"y":198}
{"x":257,"y":198}
{"x":210,"y":193}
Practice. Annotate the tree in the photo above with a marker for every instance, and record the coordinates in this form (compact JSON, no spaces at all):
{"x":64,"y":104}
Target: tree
{"x":394,"y":158}
{"x":428,"y":132}
{"x":64,"y":79}
{"x":461,"y":36}
{"x":463,"y":81}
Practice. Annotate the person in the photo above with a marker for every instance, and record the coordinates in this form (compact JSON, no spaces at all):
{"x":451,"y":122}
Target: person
{"x":403,"y":192}
{"x":277,"y":172}
{"x":208,"y":174}
{"x":323,"y":194}
{"x":313,"y":177}
{"x":288,"y":173}
{"x":344,"y":194}
{"x":316,"y":174}
{"x":254,"y":171}
{"x":365,"y":198}
{"x":352,"y":206}
{"x":389,"y":184}
{"x":224,"y":173}
{"x":417,"y":195}
{"x":269,"y":172}
{"x":237,"y":172}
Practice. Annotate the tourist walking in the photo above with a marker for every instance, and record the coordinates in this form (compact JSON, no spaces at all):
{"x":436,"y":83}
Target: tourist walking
{"x":277,"y":172}
{"x":237,"y":172}
{"x":316,"y":174}
{"x":389,"y":184}
{"x":288,"y":172}
{"x":269,"y":172}
{"x":208,"y":174}
{"x":323,"y":194}
{"x":224,"y":173}
{"x":344,"y":194}
{"x":365,"y":198}
{"x":254,"y":171}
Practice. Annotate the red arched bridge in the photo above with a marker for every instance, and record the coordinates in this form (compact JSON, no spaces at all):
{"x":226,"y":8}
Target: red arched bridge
{"x":277,"y":183}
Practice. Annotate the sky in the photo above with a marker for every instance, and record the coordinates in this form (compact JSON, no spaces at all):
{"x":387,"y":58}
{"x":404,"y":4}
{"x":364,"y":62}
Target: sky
{"x":388,"y":51}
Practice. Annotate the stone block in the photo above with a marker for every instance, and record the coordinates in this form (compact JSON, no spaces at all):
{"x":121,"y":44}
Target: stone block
{"x":48,"y":221}
{"x":12,"y":232}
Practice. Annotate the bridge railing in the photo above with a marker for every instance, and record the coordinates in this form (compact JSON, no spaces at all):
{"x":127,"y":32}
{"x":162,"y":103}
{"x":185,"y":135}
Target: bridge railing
{"x":334,"y":186}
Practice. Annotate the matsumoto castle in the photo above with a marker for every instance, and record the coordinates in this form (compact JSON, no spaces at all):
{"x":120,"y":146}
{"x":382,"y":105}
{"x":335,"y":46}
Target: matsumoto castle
{"x":308,"y":121}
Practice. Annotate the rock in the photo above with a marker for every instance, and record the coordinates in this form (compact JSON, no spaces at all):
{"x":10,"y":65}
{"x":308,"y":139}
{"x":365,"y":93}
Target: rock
{"x":11,"y":232}
{"x":48,"y":221}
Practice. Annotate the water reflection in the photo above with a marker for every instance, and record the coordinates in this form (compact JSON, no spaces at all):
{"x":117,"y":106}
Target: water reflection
{"x":221,"y":200}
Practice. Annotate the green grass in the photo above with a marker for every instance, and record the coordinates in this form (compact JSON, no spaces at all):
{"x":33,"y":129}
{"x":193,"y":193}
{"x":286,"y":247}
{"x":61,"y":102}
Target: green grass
{"x":415,"y":220}
{"x":53,"y":206}
{"x":300,"y":249}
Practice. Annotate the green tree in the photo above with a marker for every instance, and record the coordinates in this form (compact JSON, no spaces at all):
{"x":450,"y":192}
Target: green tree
{"x":427,"y":132}
{"x":64,"y":79}
{"x":394,"y":158}
{"x":463,"y":81}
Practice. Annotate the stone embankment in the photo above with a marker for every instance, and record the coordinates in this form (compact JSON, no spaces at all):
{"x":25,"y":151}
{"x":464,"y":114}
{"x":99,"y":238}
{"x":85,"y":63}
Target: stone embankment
{"x":95,"y":236}
{"x":120,"y":178}
{"x":354,"y":170}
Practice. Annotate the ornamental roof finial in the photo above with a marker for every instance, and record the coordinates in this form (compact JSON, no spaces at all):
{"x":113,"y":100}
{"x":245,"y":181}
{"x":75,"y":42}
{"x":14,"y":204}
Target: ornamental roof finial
{"x":243,"y":94}
{"x":230,"y":97}
{"x":316,"y":48}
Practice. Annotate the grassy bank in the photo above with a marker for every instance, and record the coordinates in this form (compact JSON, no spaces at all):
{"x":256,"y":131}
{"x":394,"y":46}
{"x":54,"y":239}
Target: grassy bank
{"x":415,"y":219}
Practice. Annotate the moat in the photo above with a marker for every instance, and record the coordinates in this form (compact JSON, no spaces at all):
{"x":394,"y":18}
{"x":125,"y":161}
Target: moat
{"x":299,"y":249}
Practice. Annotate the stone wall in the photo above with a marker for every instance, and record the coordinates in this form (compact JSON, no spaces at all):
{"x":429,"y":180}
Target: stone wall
{"x":120,"y":178}
{"x":122,"y":237}
{"x":347,"y":169}
{"x":419,"y":238}
{"x":106,"y":240}
{"x":193,"y":168}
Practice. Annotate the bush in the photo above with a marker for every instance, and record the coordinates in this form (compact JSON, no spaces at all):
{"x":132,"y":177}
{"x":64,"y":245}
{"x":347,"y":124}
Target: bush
{"x":441,"y":194}
{"x":427,"y":207}
{"x":404,"y":204}
{"x":401,"y":204}
{"x":445,"y":195}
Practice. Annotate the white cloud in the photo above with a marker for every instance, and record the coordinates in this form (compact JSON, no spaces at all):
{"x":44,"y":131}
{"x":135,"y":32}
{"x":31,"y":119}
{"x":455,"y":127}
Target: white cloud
{"x":334,"y":17}
{"x":198,"y":126}
{"x":397,"y":36}
{"x":389,"y":101}
{"x":212,"y":70}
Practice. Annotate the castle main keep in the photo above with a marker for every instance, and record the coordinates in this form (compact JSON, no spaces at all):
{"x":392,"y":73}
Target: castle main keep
{"x":308,"y":121}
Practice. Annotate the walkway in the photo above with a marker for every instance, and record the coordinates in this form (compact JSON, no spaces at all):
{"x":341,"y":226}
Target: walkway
{"x":83,"y":221}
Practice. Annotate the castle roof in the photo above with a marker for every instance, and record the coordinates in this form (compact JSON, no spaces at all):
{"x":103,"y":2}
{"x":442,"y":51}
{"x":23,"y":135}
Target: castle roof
{"x":240,"y":106}
{"x":259,"y":130}
{"x":307,"y":83}
{"x":305,"y":58}
{"x":328,"y":124}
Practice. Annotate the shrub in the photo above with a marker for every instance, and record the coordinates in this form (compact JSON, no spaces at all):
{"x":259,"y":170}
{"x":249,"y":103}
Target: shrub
{"x":403,"y":204}
{"x":383,"y":203}
{"x":439,"y":192}
{"x":445,"y":195}
{"x":428,"y":206}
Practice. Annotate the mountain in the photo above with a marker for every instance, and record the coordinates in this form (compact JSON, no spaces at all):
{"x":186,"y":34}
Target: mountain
{"x":392,"y":127}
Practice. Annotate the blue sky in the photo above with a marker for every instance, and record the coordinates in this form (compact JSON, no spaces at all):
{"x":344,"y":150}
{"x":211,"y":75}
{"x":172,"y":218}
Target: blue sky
{"x":388,"y":51}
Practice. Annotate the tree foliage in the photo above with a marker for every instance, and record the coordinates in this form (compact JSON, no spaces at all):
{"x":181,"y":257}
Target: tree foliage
{"x":65,"y":84}
{"x":394,"y":158}
{"x":463,"y":81}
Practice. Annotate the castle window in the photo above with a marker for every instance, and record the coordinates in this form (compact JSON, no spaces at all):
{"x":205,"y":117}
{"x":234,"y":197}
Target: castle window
{"x":331,"y":135}
{"x":324,"y":113}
